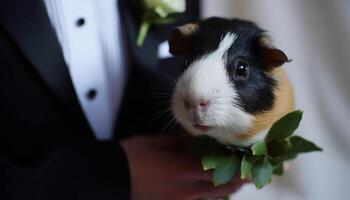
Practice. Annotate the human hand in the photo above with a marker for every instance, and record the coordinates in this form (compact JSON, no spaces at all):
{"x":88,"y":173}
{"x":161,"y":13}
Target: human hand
{"x":161,"y":169}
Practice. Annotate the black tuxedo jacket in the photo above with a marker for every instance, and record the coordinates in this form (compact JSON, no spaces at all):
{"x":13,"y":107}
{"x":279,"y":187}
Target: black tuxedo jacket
{"x":47,"y":149}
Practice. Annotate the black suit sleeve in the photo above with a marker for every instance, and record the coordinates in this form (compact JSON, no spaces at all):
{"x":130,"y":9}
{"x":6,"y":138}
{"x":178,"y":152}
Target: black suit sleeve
{"x":96,"y":170}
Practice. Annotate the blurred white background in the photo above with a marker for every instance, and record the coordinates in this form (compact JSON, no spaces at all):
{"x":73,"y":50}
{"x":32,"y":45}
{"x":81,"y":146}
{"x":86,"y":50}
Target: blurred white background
{"x":316,"y":35}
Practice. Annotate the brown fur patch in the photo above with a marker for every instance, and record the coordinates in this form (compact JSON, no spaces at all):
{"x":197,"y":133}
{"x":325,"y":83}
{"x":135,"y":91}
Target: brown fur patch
{"x":188,"y":29}
{"x":284,"y":103}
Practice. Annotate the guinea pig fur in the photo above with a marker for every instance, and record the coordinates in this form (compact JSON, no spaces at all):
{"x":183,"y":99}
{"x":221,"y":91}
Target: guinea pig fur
{"x":233,"y":88}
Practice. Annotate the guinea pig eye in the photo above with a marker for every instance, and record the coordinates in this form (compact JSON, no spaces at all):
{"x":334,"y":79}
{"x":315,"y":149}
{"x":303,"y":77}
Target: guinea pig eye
{"x":242,"y":70}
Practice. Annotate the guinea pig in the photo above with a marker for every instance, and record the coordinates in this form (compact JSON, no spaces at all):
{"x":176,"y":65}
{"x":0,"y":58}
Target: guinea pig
{"x":233,"y":87}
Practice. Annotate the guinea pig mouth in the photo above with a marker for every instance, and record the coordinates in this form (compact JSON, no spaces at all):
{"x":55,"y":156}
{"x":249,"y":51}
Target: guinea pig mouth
{"x":201,"y":127}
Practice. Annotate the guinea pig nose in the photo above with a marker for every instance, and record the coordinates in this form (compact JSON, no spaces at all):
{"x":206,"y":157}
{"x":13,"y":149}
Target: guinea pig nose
{"x":203,"y":105}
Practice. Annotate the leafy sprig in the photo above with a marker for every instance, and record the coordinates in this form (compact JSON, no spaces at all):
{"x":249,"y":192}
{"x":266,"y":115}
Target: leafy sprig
{"x":259,"y":161}
{"x":158,"y":12}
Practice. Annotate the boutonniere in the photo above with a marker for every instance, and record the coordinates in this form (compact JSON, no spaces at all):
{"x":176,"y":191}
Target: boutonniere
{"x":157,"y":12}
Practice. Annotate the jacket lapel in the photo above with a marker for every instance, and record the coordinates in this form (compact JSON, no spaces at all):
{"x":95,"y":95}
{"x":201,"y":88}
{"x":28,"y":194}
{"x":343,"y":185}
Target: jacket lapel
{"x":146,"y":55}
{"x":28,"y":24}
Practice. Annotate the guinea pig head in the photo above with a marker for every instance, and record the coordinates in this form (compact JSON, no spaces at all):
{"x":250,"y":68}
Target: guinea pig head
{"x":233,"y":88}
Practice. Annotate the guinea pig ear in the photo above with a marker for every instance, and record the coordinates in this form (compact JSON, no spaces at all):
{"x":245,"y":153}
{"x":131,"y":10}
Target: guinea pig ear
{"x":272,"y":57}
{"x":179,"y":42}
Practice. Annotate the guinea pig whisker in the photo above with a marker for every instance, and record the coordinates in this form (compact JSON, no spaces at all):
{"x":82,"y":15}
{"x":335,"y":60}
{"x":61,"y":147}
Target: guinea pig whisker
{"x":172,"y":126}
{"x":157,"y":115}
{"x":168,"y":102}
{"x":171,"y":121}
{"x":160,"y":94}
{"x":165,"y":93}
{"x":165,"y":102}
{"x":169,"y":78}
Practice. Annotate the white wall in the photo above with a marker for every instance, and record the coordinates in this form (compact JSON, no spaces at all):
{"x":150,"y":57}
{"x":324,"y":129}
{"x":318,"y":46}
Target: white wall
{"x":316,"y":35}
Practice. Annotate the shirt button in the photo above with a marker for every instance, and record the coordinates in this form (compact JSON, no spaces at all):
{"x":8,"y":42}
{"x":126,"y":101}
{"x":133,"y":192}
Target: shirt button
{"x":91,"y":94}
{"x":80,"y":22}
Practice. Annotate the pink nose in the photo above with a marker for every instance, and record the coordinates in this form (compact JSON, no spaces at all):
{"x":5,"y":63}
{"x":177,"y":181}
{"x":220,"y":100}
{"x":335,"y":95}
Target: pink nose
{"x":202,"y":105}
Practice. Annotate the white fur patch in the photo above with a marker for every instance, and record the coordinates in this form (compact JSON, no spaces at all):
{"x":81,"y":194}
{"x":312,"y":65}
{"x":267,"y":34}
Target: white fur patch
{"x":257,"y":137}
{"x":207,"y":79}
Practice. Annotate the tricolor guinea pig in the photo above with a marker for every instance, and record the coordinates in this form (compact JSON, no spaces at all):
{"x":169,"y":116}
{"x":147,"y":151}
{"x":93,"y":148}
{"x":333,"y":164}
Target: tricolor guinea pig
{"x":233,"y":87}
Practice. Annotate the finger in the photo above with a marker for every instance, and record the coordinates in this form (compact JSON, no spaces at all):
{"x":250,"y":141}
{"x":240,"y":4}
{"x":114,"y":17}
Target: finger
{"x":192,"y":169}
{"x":196,"y":176}
{"x":206,"y":189}
{"x":189,"y":166}
{"x":173,"y":141}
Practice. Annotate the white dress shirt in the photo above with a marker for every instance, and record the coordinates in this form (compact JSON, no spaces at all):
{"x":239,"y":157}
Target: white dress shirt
{"x":89,"y":34}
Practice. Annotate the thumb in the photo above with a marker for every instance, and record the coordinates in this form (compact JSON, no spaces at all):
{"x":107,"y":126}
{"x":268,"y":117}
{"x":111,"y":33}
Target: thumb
{"x":173,"y":142}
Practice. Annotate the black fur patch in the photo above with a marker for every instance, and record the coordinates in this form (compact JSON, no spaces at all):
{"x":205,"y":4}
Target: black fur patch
{"x":256,"y":92}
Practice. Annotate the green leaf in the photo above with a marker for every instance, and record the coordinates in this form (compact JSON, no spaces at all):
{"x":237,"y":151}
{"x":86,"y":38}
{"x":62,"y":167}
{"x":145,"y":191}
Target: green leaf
{"x":246,"y":166}
{"x":210,"y":161}
{"x":278,"y":169}
{"x":259,"y":148}
{"x":225,"y":169}
{"x":276,"y":148}
{"x":301,"y":145}
{"x":285,"y":126}
{"x":290,"y":155}
{"x":262,"y":172}
{"x":275,"y":161}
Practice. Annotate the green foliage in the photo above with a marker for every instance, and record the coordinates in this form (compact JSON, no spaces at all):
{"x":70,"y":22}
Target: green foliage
{"x":262,"y":172}
{"x":210,"y":161}
{"x":246,"y":166}
{"x":278,"y":168}
{"x":260,"y":160}
{"x":225,"y":169}
{"x":259,"y":148}
{"x":300,"y":145}
{"x":285,"y":126}
{"x":277,"y":148}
